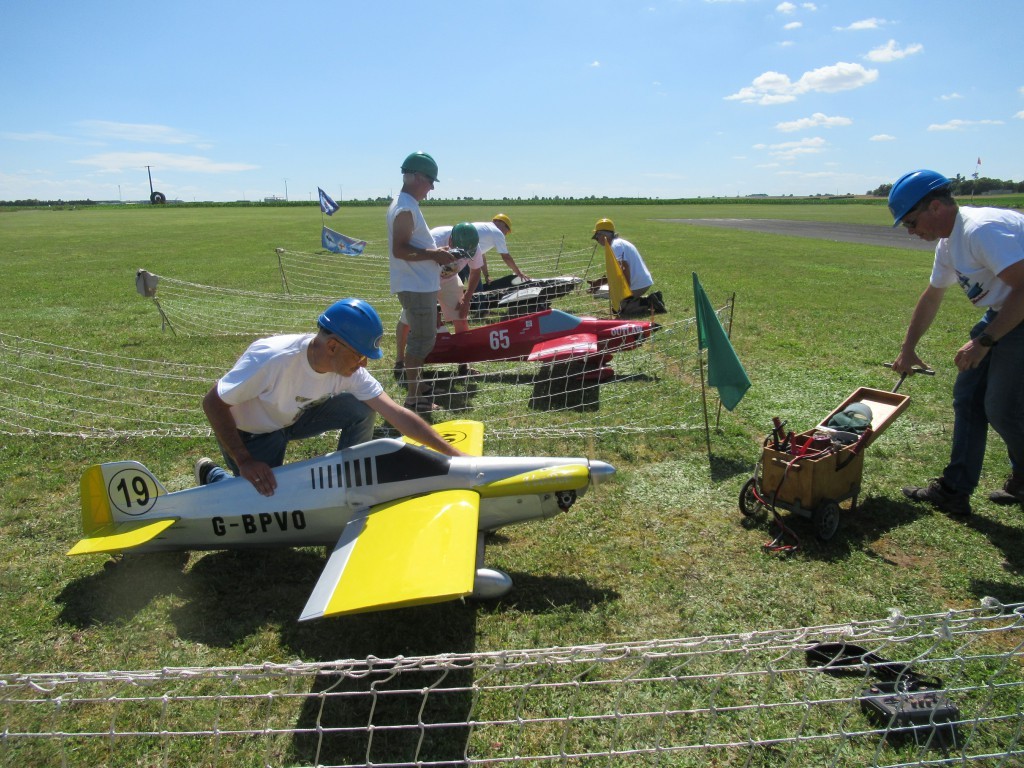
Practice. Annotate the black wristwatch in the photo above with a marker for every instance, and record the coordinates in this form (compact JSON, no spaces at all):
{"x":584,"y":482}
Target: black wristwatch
{"x":985,"y":340}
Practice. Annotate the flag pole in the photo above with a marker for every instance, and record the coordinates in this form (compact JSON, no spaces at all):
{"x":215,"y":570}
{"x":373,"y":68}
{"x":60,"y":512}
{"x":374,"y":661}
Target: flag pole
{"x":698,"y":307}
{"x":728,"y":333}
{"x":704,"y":398}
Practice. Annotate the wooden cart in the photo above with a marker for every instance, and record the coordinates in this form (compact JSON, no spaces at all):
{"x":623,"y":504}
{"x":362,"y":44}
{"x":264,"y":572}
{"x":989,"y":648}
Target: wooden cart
{"x":815,"y":484}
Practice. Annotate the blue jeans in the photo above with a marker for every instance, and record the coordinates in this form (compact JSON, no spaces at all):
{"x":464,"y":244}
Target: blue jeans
{"x":343,"y":412}
{"x":992,"y":393}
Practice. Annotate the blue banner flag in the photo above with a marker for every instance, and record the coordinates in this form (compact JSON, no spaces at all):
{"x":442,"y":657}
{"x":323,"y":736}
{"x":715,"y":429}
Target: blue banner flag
{"x":339,"y":243}
{"x":327,"y":205}
{"x":725,"y":371}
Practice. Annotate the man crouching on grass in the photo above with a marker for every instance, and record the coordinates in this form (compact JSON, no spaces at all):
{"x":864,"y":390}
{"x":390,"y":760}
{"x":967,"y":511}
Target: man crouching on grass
{"x":295,"y":386}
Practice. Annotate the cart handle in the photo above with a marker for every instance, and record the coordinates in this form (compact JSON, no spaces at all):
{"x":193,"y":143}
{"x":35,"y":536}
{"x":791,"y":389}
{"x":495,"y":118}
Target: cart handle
{"x":903,"y":376}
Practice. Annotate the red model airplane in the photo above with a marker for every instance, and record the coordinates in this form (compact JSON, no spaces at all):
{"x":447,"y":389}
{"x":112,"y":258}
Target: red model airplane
{"x":549,"y":337}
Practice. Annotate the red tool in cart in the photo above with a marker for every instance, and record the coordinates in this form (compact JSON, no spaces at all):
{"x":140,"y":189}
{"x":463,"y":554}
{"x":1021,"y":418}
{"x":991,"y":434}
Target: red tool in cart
{"x":811,"y":473}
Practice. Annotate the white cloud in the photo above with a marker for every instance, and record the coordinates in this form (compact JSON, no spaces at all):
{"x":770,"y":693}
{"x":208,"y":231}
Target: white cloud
{"x":785,"y":8}
{"x":790,"y":150}
{"x":857,"y":26}
{"x":793,"y":25}
{"x":892,"y":52}
{"x":958,"y":125}
{"x":1020,"y":115}
{"x":136,"y":132}
{"x":776,"y":88}
{"x":950,"y":96}
{"x":595,"y":64}
{"x":816,"y":120}
{"x":882,"y":137}
{"x":809,"y":7}
{"x":118,"y":162}
{"x":43,"y":136}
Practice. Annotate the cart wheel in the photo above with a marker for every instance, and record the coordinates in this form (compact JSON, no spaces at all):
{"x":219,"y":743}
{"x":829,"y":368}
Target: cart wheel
{"x":826,"y":520}
{"x":749,"y":503}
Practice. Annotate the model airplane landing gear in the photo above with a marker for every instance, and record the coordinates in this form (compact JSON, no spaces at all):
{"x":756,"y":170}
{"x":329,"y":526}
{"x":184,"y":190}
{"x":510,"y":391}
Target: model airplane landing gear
{"x":565,"y":499}
{"x":488,"y":583}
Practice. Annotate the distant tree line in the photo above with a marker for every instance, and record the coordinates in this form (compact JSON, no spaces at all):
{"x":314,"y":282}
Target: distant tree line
{"x":964,"y":186}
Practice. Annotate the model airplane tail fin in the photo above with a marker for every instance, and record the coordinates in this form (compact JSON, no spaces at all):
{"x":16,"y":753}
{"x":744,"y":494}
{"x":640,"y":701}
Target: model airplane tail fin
{"x":466,"y":435}
{"x":618,"y":288}
{"x":126,"y":487}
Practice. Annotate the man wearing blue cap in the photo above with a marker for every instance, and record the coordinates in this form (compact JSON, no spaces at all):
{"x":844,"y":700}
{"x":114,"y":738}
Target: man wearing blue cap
{"x":982,"y":251}
{"x":294,"y":386}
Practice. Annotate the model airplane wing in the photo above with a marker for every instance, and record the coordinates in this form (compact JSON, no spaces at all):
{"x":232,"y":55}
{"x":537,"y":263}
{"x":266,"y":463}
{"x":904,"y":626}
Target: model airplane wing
{"x":466,"y":435}
{"x":410,"y":552}
{"x":564,"y":348}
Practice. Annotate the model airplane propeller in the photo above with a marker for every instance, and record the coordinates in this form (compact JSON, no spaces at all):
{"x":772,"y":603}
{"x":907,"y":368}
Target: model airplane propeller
{"x":406,"y":523}
{"x":551,"y":336}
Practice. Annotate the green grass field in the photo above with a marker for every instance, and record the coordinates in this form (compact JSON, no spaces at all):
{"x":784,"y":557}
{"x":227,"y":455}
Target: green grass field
{"x":661,"y":552}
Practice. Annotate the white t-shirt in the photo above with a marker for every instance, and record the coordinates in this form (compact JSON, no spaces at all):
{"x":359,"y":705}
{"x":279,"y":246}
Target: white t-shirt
{"x":273,"y":383}
{"x":626,"y":253}
{"x":441,"y":236}
{"x":417,"y":276}
{"x":983,"y":243}
{"x":490,"y":237}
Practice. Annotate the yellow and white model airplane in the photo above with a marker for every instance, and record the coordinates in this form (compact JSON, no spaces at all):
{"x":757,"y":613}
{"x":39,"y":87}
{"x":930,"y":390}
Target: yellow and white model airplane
{"x":406,"y":523}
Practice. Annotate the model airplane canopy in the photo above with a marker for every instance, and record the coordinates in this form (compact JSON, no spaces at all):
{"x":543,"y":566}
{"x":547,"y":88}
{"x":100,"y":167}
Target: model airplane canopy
{"x":404,"y":521}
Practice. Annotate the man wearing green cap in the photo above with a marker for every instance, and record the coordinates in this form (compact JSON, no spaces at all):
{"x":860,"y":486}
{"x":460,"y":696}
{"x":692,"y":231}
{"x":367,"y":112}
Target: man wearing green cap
{"x":454,"y":298}
{"x":415,"y":267}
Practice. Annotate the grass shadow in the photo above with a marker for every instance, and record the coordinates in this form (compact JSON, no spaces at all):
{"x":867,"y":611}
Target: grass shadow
{"x":231,"y":595}
{"x":872,"y":519}
{"x":727,"y":467}
{"x":562,"y":387}
{"x":122,"y":588}
{"x":408,"y":723}
{"x":542,"y":594}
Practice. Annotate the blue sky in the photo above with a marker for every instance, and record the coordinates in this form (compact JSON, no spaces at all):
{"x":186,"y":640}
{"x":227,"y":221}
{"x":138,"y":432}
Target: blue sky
{"x":666,"y":98}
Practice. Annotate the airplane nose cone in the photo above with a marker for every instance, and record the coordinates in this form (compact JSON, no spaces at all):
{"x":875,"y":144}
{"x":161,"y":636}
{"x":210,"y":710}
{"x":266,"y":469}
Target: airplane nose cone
{"x":600,"y":471}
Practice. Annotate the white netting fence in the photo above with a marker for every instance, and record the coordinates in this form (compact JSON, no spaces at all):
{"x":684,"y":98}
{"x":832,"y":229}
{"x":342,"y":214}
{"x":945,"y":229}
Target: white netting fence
{"x":323,"y":273}
{"x":62,"y":390}
{"x":752,"y":699}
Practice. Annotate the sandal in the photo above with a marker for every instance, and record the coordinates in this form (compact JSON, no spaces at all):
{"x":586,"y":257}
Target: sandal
{"x":421,"y":405}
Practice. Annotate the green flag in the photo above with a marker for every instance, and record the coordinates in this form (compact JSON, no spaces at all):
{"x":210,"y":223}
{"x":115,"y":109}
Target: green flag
{"x":725,"y":371}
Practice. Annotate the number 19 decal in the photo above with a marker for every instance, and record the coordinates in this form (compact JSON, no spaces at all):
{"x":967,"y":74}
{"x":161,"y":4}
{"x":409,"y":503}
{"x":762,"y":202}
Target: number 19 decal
{"x":132,"y":491}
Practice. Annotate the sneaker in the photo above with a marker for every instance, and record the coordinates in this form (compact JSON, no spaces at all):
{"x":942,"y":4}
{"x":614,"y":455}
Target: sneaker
{"x":399,"y":371}
{"x":940,"y":497}
{"x":1012,"y":492}
{"x":203,"y":467}
{"x":658,"y":303}
{"x":465,"y":370}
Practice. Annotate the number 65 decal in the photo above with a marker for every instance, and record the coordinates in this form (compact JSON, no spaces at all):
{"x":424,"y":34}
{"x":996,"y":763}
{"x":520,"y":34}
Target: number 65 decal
{"x":500,"y":340}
